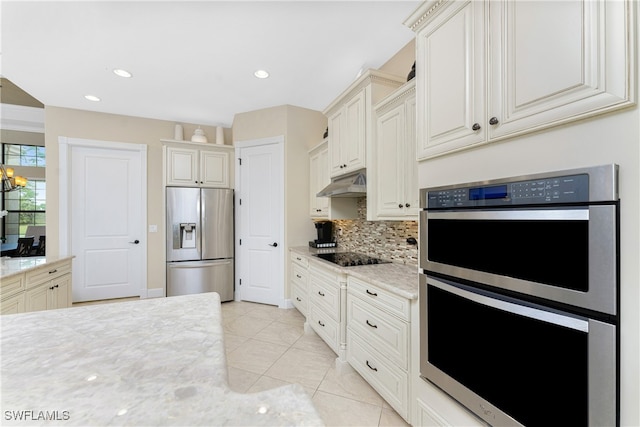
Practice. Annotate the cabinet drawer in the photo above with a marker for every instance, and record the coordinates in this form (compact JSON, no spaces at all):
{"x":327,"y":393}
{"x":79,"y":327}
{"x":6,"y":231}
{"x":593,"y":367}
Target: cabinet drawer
{"x":326,"y":296}
{"x":12,"y":286}
{"x":47,"y":272}
{"x":380,"y":298}
{"x":327,"y":328}
{"x":299,"y":275}
{"x":299,"y":296}
{"x":390,"y":381}
{"x":388,"y":334}
{"x":299,"y":259}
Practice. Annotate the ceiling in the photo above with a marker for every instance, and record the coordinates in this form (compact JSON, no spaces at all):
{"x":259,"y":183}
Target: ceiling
{"x":193,"y":62}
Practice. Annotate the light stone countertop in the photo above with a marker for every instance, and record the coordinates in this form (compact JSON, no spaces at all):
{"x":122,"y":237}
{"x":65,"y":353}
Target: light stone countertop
{"x":152,"y":362}
{"x":399,"y":279}
{"x":12,"y":266}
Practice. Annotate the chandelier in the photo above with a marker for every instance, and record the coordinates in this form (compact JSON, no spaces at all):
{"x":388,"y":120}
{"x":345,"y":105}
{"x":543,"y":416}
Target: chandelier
{"x":9,"y":181}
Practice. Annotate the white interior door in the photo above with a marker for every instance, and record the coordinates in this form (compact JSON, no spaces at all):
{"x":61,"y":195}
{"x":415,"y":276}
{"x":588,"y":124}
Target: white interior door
{"x":106,"y":221}
{"x":260,"y":208}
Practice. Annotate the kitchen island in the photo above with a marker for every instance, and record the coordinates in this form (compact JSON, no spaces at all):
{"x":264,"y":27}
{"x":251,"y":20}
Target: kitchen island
{"x":150,"y":362}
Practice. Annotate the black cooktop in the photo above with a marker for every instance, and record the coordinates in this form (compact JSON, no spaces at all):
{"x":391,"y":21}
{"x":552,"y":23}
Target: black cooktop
{"x":351,"y":259}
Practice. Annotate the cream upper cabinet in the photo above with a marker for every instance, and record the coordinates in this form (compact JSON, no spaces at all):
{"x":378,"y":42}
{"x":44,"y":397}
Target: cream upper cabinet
{"x":394,"y":176}
{"x":192,"y":165}
{"x":489,"y":70}
{"x":350,"y":119}
{"x":319,"y":179}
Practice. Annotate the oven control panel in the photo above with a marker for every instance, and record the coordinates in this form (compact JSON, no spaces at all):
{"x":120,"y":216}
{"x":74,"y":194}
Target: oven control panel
{"x":562,"y":189}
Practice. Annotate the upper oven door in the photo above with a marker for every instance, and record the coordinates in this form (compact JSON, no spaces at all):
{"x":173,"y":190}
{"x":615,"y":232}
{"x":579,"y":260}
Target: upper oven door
{"x":560,"y":254}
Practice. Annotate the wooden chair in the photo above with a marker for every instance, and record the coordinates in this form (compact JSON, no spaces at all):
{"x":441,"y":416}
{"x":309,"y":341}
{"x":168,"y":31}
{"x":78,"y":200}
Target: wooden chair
{"x":25,"y":244}
{"x":40,"y":249}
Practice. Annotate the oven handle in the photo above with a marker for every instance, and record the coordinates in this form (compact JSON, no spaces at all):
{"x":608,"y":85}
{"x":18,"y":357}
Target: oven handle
{"x":521,"y":310}
{"x":514,"y":215}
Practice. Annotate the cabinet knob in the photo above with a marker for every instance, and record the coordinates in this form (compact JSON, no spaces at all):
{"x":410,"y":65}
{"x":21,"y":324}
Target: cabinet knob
{"x":298,"y":298}
{"x":493,"y":121}
{"x":344,"y":166}
{"x":400,"y":205}
{"x":407,"y":205}
{"x":476,"y":126}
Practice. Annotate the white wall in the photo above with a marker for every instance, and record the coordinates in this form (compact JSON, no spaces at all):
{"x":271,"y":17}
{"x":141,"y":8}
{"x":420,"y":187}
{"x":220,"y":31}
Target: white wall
{"x":613,"y":138}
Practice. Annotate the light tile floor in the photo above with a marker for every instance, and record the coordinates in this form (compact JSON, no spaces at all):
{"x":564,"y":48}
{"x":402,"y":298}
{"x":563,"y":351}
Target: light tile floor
{"x":267,"y":347}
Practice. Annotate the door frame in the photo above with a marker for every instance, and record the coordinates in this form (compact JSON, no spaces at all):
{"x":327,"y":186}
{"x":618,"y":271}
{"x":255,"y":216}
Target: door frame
{"x":65,"y":145}
{"x":239,"y":145}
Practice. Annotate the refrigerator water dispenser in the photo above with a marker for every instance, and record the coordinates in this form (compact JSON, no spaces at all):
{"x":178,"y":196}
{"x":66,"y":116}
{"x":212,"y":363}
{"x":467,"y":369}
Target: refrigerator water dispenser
{"x":187,"y":235}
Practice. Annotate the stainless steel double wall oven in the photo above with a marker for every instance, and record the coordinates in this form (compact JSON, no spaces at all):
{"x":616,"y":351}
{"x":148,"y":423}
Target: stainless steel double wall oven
{"x":519,"y":296}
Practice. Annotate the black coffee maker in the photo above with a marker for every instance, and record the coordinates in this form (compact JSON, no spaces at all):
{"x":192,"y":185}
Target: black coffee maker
{"x":325,"y":235}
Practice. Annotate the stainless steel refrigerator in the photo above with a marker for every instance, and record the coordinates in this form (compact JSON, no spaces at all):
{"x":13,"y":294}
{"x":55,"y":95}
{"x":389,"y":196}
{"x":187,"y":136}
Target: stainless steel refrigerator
{"x":200,"y":241}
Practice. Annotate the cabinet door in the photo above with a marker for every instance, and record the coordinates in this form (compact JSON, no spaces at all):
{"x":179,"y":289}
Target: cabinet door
{"x":336,"y":128}
{"x":62,"y":292}
{"x":390,"y":158}
{"x":555,"y":61}
{"x":182,"y":167}
{"x":451,"y":64}
{"x":38,"y":299}
{"x":13,"y":305}
{"x":411,"y":190}
{"x":214,"y":169}
{"x":319,"y":179}
{"x":353,"y":144}
{"x":323,"y":180}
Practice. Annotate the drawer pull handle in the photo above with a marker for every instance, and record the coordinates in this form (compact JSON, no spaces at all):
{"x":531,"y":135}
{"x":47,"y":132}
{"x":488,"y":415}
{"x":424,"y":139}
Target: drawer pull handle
{"x":320,"y":323}
{"x":372,"y":293}
{"x":373,"y":326}
{"x":298,"y":298}
{"x":298,"y":258}
{"x":298,"y":276}
{"x":371,"y":367}
{"x":321,"y":294}
{"x":53,"y":271}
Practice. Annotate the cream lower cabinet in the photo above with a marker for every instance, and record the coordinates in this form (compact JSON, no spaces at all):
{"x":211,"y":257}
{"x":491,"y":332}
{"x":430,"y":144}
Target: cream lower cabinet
{"x":488,"y":70}
{"x":327,"y":299}
{"x":378,"y":341}
{"x":48,"y":288}
{"x":299,"y":273}
{"x":198,"y":165}
{"x":45,"y":287}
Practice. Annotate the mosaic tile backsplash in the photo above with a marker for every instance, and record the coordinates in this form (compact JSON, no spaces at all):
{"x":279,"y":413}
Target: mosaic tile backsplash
{"x":382,"y":239}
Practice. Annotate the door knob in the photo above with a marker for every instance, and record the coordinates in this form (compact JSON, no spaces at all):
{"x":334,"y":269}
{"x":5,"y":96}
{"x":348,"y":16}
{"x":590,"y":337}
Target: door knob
{"x":274,"y":244}
{"x":135,"y":242}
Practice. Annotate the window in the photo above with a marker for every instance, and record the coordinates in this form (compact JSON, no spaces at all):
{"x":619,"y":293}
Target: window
{"x":24,"y":155}
{"x":26,"y":206}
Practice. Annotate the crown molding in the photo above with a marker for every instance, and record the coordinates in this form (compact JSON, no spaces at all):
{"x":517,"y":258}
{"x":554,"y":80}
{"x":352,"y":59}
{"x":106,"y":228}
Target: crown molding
{"x":22,"y":118}
{"x":424,"y":13}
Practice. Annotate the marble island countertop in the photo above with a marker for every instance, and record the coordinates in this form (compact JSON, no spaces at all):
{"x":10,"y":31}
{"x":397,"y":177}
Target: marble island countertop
{"x":397,"y":278}
{"x":149,"y":362}
{"x":11,"y":266}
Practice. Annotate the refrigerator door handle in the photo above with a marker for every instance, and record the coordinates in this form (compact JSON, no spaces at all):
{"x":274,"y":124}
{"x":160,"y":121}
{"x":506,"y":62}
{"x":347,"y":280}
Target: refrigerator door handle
{"x":199,"y":264}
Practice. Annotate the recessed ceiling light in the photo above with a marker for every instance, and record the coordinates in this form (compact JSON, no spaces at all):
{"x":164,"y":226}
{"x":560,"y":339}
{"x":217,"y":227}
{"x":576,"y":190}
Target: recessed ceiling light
{"x":261,"y":74}
{"x":92,"y":98}
{"x":122,"y":73}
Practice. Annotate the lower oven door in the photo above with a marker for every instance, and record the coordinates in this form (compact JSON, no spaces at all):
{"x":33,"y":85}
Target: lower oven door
{"x":515,"y":363}
{"x":565,"y":254}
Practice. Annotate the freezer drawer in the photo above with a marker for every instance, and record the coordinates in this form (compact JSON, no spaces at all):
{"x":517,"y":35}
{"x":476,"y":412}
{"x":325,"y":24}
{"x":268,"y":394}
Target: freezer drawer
{"x":193,"y":277}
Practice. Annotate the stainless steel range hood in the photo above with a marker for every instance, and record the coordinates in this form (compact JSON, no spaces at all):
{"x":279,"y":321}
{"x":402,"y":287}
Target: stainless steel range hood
{"x":354,"y":185}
